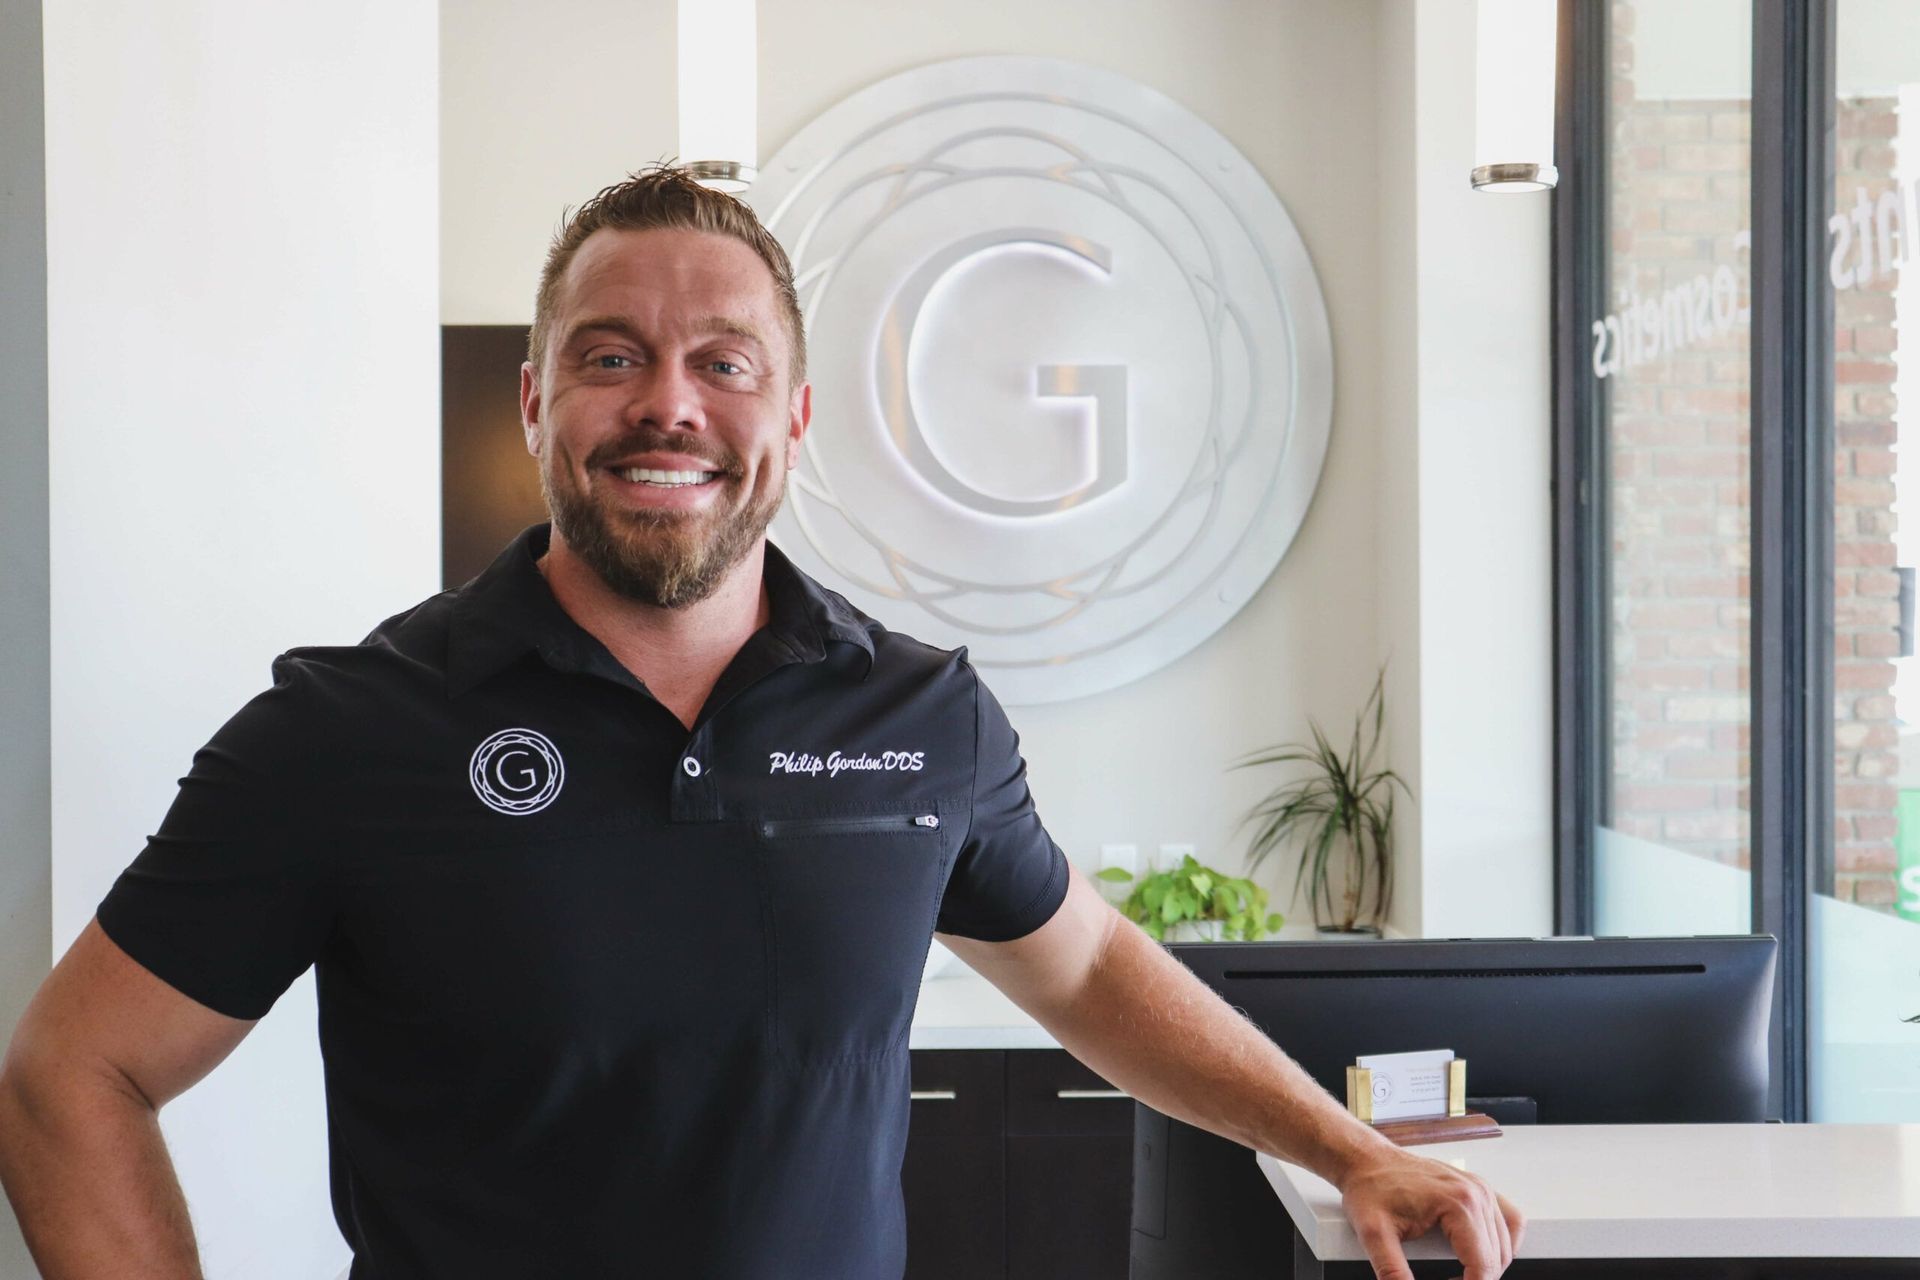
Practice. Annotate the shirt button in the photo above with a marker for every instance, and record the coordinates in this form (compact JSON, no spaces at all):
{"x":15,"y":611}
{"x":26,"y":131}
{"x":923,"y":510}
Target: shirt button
{"x":690,"y":766}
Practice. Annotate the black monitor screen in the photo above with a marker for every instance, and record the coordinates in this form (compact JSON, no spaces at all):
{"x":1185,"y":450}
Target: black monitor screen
{"x":1594,"y":1031}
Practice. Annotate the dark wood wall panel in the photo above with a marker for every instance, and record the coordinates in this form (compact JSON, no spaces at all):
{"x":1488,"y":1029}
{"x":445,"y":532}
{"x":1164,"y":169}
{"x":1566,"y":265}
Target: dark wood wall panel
{"x":489,"y":483}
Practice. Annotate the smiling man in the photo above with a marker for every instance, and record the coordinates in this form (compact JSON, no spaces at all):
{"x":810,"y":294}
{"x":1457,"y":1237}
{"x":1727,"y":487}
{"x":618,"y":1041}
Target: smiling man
{"x":615,"y":969}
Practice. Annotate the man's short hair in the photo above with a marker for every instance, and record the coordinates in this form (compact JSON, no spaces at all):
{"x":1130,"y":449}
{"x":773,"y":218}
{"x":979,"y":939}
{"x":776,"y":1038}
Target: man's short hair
{"x":665,"y":195}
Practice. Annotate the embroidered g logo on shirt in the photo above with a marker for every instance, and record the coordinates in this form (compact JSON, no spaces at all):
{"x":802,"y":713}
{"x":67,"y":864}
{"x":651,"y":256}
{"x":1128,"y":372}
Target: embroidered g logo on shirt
{"x":516,"y":771}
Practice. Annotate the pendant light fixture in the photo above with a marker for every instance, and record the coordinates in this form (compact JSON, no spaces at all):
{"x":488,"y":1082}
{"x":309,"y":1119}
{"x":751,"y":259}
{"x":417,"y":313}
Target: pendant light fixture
{"x":719,"y":66}
{"x":1513,"y":95}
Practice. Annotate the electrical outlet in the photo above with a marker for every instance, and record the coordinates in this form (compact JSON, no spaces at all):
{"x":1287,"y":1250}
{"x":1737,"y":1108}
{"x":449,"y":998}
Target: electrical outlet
{"x":1171,"y":855}
{"x":1124,"y":856}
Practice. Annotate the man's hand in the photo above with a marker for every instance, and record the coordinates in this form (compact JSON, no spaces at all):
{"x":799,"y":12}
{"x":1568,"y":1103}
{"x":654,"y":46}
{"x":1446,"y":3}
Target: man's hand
{"x":1391,"y":1195}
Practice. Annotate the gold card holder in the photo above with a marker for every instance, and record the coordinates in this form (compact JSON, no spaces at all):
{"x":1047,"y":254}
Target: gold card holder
{"x":1457,"y":1125}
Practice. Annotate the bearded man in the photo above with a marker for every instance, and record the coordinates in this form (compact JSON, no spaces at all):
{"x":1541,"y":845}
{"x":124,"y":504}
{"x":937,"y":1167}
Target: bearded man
{"x":605,"y":988}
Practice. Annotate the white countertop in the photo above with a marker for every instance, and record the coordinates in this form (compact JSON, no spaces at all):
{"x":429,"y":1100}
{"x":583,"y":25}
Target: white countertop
{"x":959,"y":1009}
{"x":1668,"y":1191}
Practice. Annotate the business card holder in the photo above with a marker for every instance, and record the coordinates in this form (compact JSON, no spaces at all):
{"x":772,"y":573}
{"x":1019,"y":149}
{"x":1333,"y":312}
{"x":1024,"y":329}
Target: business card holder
{"x":1457,"y":1125}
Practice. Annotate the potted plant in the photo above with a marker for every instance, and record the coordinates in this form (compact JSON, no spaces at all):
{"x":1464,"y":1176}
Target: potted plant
{"x":1195,"y":903}
{"x":1341,"y":816}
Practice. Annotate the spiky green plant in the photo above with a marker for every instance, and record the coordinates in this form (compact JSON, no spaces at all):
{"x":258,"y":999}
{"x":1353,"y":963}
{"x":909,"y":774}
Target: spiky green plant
{"x":1341,"y":810}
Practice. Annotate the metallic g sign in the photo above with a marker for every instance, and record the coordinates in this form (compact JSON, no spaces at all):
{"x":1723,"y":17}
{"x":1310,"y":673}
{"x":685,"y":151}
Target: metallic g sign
{"x":1072,"y":374}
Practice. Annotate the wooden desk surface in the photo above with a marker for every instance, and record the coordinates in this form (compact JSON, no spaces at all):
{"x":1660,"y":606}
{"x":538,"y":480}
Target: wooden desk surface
{"x":1668,"y":1191}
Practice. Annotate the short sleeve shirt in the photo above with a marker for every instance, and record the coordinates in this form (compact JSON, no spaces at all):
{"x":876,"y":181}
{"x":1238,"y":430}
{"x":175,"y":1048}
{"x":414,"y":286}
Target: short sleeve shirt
{"x":600,"y":995}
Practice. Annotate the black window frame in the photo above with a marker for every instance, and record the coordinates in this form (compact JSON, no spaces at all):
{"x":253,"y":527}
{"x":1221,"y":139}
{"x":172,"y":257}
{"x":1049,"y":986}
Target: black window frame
{"x":1792,"y":443}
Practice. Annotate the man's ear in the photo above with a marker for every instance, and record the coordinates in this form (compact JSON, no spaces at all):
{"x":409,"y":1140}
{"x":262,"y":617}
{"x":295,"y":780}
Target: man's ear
{"x":800,"y":414}
{"x":531,"y":407}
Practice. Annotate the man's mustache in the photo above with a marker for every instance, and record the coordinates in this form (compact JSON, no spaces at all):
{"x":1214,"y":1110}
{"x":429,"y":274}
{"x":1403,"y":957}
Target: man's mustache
{"x":608,"y":455}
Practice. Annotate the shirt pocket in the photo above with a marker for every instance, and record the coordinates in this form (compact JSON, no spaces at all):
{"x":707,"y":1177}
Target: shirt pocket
{"x":848,"y":903}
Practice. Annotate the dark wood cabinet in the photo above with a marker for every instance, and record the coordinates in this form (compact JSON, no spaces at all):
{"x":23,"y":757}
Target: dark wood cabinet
{"x":1018,"y":1165}
{"x":1069,"y":1169}
{"x":954,"y":1175}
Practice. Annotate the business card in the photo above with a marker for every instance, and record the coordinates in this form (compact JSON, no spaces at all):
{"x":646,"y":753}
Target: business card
{"x":1408,"y":1086}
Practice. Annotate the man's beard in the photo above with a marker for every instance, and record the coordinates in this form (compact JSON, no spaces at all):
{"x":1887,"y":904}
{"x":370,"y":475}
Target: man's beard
{"x":669,"y":559}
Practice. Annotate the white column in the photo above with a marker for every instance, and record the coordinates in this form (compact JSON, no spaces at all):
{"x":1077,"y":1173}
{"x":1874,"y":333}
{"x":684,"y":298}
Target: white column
{"x":1466,"y":541}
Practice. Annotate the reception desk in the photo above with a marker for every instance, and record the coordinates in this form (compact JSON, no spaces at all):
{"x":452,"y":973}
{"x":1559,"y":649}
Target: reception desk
{"x":1762,"y":1201}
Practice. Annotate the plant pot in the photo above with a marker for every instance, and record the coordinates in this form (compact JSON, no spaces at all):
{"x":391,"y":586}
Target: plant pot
{"x":1196,"y":931}
{"x":1359,"y":933}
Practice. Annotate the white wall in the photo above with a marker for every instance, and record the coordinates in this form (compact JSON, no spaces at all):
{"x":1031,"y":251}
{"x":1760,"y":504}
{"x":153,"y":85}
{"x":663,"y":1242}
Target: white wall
{"x":535,"y":121}
{"x":243,"y":370}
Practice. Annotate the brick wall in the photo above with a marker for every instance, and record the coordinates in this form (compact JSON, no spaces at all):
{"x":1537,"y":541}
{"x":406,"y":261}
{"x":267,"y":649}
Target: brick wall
{"x":1678,"y":382}
{"x":1866,"y":606}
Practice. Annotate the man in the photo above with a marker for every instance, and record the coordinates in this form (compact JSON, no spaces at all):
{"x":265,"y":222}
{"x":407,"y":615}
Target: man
{"x":614,"y":969}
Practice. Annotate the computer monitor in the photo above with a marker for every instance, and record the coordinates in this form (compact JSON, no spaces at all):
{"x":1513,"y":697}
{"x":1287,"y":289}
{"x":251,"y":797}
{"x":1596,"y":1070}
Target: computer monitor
{"x":1553,"y":1030}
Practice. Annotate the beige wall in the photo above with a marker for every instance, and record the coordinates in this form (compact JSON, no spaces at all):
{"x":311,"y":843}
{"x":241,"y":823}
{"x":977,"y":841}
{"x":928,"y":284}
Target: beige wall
{"x":1289,"y":84}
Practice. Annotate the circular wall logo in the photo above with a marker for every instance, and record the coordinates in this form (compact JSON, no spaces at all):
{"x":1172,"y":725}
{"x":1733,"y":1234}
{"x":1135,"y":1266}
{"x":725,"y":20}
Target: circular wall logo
{"x":1073,"y":364}
{"x":516,"y":771}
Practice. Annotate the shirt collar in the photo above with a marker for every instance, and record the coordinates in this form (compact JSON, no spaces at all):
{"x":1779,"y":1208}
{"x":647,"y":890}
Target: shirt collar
{"x":509,"y":611}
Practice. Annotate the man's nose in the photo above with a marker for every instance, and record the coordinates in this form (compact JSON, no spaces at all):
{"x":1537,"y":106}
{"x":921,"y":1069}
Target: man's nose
{"x":667,"y":395}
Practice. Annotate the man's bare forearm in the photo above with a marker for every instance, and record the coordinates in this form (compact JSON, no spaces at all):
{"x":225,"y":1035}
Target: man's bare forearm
{"x":87,"y":1172}
{"x":1150,"y":1027}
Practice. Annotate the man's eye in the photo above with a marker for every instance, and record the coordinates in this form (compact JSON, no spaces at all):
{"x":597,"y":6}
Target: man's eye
{"x":716,"y":364}
{"x":602,"y":361}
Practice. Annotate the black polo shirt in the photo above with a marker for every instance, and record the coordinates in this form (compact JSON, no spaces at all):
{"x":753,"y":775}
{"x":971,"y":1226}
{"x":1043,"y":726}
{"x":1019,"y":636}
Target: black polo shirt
{"x":600,"y":996}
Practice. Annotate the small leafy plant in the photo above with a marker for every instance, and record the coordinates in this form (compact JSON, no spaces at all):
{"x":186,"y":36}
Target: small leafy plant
{"x":1342,"y":810}
{"x":1190,"y":893}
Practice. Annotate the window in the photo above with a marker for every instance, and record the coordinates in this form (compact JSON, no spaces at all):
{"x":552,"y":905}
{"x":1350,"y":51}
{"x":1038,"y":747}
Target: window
{"x":1738,"y":713}
{"x":1864,"y":929}
{"x":1672,"y":846}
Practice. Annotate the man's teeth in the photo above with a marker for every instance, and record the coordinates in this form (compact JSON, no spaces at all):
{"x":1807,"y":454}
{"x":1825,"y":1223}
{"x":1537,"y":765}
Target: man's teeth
{"x":647,"y":475}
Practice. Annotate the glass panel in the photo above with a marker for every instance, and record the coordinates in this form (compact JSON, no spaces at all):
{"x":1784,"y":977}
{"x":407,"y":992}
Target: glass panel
{"x":1671,"y":355}
{"x":1865,"y":938}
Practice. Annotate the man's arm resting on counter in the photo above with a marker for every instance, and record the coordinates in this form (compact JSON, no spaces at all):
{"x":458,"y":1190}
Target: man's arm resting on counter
{"x":1120,"y":1003}
{"x":102,"y":1047}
